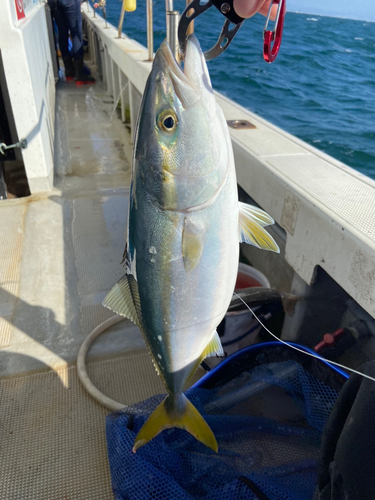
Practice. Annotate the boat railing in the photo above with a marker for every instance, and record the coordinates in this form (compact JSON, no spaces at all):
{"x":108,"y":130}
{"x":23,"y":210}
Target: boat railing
{"x":322,"y":207}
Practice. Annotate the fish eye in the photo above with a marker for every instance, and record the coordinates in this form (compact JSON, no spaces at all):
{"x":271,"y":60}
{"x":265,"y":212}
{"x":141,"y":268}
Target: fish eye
{"x":167,"y":120}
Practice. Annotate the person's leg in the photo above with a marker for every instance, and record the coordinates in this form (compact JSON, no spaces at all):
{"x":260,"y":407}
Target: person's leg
{"x":347,"y":467}
{"x":73,"y":14}
{"x":72,"y":9}
{"x":62,"y":26}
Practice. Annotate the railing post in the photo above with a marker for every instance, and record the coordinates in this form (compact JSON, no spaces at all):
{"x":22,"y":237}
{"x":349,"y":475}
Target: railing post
{"x":121,"y":22}
{"x":115,"y":80}
{"x":172,"y":20}
{"x":108,"y":71}
{"x":150,"y":30}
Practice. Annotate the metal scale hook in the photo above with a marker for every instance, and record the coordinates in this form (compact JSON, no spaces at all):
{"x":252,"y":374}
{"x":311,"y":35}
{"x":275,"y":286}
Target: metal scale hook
{"x":196,"y":8}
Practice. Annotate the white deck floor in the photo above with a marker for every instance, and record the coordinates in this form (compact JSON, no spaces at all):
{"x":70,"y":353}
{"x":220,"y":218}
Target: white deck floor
{"x":60,"y":254}
{"x":62,"y":251}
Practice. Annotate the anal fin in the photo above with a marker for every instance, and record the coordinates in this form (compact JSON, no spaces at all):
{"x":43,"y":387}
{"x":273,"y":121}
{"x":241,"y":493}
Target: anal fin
{"x":214,"y":347}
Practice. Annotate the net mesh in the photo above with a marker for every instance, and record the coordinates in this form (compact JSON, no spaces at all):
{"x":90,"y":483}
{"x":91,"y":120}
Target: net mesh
{"x":268,"y":423}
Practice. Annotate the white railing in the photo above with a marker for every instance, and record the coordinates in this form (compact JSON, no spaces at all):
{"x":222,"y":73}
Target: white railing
{"x":325,"y":207}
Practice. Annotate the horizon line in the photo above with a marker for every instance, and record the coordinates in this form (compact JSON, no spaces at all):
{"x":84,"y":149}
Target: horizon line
{"x":330,"y":15}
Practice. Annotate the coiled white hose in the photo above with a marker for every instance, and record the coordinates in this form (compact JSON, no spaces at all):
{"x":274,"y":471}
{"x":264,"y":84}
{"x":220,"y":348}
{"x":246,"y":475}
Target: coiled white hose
{"x":101,"y":398}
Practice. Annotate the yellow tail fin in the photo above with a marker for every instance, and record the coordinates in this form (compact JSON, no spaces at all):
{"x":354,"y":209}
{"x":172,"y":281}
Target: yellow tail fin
{"x":167,"y":415}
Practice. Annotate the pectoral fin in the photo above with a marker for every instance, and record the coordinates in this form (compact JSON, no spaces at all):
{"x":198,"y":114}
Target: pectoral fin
{"x":252,"y":220}
{"x":123,"y":299}
{"x":193,"y":237}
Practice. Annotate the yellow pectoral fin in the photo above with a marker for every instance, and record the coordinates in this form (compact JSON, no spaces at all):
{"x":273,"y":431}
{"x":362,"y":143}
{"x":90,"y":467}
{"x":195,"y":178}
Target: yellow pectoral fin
{"x":251,"y":223}
{"x":256,"y":214}
{"x":186,"y":417}
{"x":193,"y":237}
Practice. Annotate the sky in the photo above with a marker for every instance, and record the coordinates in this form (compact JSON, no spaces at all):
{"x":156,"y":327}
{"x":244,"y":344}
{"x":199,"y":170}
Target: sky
{"x":357,"y":9}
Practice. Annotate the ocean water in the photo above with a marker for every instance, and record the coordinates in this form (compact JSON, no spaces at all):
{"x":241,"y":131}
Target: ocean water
{"x":321,"y":88}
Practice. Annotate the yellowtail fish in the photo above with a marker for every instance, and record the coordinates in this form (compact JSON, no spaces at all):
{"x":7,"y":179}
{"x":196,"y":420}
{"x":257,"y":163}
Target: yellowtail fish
{"x":184,"y":228}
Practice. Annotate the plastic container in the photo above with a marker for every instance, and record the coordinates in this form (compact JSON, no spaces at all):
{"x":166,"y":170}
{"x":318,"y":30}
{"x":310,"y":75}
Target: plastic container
{"x":238,"y":324}
{"x":249,"y":276}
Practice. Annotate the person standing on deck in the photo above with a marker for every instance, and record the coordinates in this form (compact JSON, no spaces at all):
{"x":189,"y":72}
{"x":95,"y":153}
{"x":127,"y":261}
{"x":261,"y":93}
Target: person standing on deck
{"x":67,"y":15}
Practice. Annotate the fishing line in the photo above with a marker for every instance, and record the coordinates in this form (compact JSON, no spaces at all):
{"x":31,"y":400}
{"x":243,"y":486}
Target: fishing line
{"x":300,"y":350}
{"x":117,"y":101}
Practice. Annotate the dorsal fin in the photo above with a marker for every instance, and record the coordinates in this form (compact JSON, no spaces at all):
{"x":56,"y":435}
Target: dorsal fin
{"x":124,"y":300}
{"x":251,"y":223}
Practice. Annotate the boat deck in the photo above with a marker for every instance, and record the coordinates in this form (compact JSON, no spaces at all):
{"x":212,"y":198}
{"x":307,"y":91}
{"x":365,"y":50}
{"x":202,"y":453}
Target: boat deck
{"x":60,"y":254}
{"x":62,"y":251}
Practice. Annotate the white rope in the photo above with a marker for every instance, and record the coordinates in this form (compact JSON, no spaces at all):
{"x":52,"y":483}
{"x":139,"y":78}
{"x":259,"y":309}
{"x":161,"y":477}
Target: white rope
{"x":305,"y":352}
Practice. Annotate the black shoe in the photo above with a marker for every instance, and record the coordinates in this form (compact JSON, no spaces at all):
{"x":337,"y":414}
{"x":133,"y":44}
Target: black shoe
{"x":80,"y":77}
{"x":69,"y":68}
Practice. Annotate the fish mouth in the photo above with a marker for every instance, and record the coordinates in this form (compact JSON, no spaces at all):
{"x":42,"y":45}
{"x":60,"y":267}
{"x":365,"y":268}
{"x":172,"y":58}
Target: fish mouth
{"x":172,"y":64}
{"x":195,"y":75}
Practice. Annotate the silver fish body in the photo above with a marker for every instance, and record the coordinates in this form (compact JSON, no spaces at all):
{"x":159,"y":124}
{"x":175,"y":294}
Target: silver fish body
{"x":184,"y":256}
{"x":184,"y":230}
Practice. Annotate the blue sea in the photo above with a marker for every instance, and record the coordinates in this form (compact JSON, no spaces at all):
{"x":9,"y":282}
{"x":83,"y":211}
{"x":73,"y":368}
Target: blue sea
{"x":321,"y":88}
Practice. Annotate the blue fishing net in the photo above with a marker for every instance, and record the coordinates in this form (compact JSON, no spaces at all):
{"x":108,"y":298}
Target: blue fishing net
{"x":267,"y":413}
